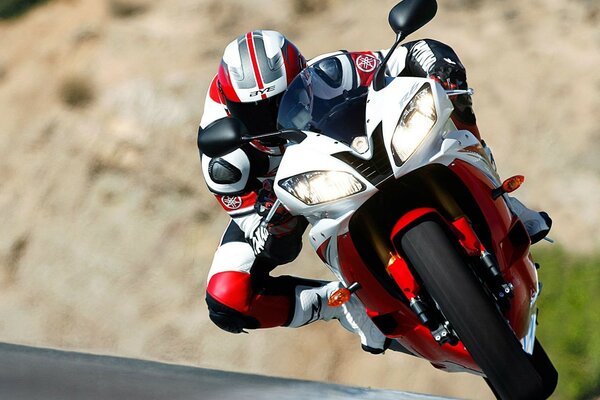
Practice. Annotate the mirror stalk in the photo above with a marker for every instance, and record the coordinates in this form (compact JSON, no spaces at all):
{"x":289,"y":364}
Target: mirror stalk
{"x":379,"y":80}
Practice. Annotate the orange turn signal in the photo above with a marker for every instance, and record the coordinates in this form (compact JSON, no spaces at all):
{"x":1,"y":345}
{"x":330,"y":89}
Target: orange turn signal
{"x":512,"y":183}
{"x":339,"y":297}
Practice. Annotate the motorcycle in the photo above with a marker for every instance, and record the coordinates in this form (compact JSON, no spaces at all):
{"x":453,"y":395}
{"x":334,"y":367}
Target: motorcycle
{"x":410,"y":214}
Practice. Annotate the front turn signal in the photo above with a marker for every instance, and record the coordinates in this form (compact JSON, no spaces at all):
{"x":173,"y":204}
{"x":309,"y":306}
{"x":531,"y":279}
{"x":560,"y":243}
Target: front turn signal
{"x":508,"y":186}
{"x":342,"y":295}
{"x":512,"y":183}
{"x":339,"y":297}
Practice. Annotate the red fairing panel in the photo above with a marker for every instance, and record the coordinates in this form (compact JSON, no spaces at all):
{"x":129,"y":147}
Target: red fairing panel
{"x":321,"y":251}
{"x":376,"y":298}
{"x":513,"y":258}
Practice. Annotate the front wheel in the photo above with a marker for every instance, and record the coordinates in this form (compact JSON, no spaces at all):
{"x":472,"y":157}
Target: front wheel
{"x":472,"y":312}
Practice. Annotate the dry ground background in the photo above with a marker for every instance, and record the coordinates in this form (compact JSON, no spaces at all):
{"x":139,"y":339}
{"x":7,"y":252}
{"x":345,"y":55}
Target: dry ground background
{"x":107,"y":229}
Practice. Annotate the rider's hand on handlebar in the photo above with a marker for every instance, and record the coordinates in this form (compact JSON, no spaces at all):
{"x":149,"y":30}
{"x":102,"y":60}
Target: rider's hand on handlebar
{"x":450,"y":77}
{"x":264,"y":202}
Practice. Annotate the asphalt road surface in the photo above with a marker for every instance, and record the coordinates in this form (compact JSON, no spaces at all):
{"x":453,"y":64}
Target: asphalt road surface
{"x":28,"y":373}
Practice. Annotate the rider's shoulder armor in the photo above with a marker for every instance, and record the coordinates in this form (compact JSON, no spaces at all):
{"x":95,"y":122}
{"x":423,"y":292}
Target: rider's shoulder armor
{"x":223,"y":172}
{"x":237,"y":172}
{"x":357,"y":68}
{"x":228,"y":174}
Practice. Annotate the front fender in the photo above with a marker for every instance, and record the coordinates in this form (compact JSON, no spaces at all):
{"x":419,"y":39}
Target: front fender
{"x":410,"y":218}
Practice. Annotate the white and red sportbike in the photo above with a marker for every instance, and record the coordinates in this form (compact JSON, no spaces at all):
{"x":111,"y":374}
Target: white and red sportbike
{"x":411,"y":215}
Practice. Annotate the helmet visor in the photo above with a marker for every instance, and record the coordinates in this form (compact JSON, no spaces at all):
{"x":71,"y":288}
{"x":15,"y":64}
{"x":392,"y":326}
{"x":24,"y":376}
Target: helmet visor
{"x":259,"y":116}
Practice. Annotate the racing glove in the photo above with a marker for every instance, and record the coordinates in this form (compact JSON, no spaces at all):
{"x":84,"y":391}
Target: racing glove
{"x":282,"y":223}
{"x":453,"y":76}
{"x":278,"y":240}
{"x":450,"y":76}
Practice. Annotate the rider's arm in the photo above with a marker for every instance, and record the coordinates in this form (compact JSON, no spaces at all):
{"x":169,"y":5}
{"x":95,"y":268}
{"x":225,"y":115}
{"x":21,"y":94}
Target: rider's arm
{"x":232,"y":182}
{"x":264,"y":239}
{"x":422,"y":58}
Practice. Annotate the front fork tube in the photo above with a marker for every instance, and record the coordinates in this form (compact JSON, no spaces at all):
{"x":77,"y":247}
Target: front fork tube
{"x":428,"y":316}
{"x":502,"y":290}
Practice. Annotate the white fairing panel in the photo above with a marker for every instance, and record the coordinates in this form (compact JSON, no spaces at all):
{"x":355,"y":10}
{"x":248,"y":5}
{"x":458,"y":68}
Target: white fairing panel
{"x":314,"y":154}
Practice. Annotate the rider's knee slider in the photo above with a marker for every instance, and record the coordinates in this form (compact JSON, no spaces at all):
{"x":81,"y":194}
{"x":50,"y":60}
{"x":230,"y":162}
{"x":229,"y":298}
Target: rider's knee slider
{"x":227,"y":318}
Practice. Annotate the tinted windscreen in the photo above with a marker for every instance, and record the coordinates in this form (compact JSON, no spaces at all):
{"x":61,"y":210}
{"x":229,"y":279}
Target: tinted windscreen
{"x":321,"y":99}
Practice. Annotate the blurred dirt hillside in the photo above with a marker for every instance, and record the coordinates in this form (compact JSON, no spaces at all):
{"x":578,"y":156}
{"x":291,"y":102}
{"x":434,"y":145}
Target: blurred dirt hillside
{"x":106,"y":226}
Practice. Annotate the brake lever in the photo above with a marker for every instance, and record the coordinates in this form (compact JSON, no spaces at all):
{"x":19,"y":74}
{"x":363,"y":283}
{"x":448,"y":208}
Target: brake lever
{"x":457,"y":92}
{"x":271,"y":213}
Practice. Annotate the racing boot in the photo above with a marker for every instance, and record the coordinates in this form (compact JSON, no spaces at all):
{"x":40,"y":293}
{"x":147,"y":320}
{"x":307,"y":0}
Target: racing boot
{"x":538,"y":224}
{"x":311,"y":305}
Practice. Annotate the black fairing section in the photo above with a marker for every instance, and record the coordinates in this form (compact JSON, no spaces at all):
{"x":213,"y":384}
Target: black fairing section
{"x":378,"y":168}
{"x":221,"y":137}
{"x":410,"y":15}
{"x":433,"y":186}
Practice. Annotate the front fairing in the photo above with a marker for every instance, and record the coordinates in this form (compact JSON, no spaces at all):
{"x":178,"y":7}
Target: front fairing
{"x":331,"y":149}
{"x":319,"y":98}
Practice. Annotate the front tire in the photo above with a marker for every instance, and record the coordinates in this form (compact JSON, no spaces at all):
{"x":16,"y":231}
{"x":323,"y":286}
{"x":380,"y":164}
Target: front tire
{"x":472,"y":312}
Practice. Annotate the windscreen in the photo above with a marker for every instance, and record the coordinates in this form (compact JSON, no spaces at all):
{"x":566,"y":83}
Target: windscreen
{"x":323,"y":99}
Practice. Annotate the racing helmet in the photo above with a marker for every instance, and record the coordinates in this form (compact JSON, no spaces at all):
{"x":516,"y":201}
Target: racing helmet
{"x":255,"y":71}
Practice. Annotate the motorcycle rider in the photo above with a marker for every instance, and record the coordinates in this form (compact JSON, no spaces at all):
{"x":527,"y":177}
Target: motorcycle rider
{"x":255,"y":71}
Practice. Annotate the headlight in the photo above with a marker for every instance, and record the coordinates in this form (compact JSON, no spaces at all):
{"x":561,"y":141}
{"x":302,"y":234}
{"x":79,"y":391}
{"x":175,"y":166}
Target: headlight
{"x":416,"y":121}
{"x":321,"y":186}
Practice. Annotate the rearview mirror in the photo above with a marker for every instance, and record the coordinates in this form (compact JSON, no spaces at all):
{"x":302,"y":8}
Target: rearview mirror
{"x":405,"y":18}
{"x":409,"y":15}
{"x":222,"y":136}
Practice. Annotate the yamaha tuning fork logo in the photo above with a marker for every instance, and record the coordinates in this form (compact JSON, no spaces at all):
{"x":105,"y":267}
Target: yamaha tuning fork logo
{"x":232,"y":202}
{"x":366,"y":63}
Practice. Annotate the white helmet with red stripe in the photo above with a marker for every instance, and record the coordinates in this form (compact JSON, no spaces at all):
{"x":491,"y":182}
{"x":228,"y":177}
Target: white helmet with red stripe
{"x":255,"y":71}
